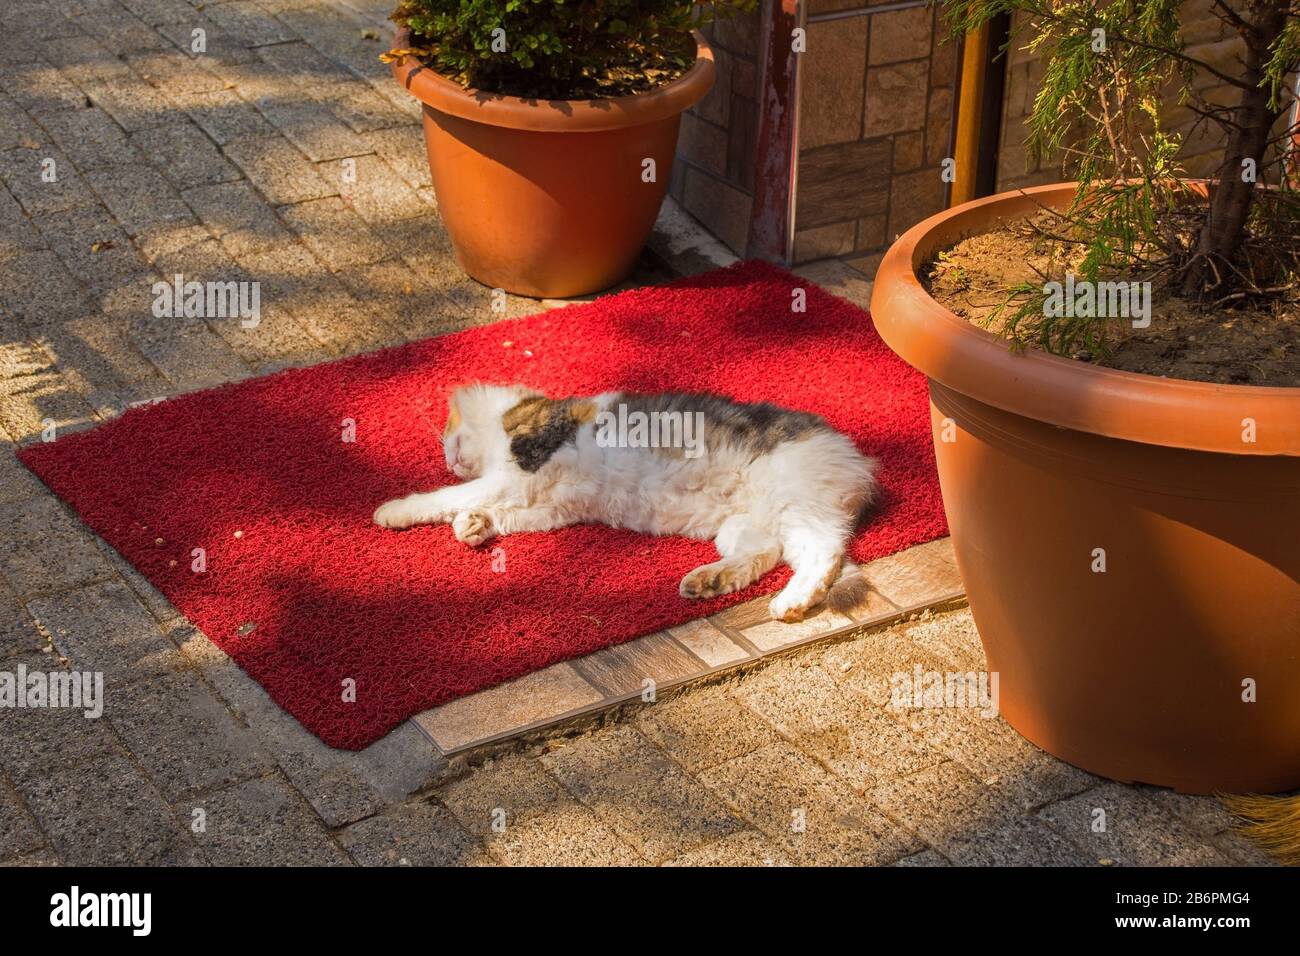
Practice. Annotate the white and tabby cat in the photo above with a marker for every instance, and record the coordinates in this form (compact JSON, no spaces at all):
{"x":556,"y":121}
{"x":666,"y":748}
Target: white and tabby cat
{"x":766,"y":484}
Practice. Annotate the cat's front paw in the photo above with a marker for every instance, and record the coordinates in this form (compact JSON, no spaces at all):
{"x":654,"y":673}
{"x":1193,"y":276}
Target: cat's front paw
{"x":398,"y":513}
{"x":472,"y":527}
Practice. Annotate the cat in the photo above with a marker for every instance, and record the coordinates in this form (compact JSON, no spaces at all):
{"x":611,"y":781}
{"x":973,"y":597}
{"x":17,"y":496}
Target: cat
{"x":764,"y":483}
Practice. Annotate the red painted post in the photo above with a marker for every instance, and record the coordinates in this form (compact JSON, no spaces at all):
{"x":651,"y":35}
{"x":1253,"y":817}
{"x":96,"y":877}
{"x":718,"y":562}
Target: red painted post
{"x":771,"y":222}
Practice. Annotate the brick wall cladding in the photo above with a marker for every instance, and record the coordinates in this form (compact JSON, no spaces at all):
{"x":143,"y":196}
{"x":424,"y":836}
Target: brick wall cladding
{"x":713,"y":174}
{"x":1207,"y":39}
{"x":875,"y":124}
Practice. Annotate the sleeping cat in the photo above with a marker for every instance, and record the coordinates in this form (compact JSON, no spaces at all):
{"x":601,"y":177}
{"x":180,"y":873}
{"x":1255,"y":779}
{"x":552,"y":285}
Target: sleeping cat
{"x":766,"y":484}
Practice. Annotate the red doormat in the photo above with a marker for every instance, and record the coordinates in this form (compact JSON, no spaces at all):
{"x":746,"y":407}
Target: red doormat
{"x":307,"y":595}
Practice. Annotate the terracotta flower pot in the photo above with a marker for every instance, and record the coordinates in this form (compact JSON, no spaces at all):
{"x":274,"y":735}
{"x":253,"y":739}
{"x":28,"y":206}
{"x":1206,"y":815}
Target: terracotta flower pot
{"x":1143,"y":671}
{"x":550,"y":198}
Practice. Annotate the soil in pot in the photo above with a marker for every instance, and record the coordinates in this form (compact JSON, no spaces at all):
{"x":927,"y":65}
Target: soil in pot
{"x":1235,"y":343}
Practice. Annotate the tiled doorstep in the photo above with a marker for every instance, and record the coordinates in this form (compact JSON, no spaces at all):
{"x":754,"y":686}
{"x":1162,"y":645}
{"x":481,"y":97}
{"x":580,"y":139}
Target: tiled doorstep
{"x":901,"y":584}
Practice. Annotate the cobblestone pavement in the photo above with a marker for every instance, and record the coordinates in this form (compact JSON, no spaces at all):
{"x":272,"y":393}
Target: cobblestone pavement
{"x":283,"y":153}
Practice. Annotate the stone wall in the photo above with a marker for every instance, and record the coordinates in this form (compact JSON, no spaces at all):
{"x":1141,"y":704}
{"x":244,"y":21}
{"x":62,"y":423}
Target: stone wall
{"x":875,"y":123}
{"x":713,"y":175}
{"x":1208,"y":39}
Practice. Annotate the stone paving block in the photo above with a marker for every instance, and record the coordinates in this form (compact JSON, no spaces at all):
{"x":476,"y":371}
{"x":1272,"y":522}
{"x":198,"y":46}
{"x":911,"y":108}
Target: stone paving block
{"x":1239,"y":851}
{"x":19,"y":834}
{"x":707,"y":642}
{"x":17,"y":128}
{"x":41,"y":404}
{"x":117,"y":29}
{"x":16,"y":482}
{"x":225,"y":116}
{"x":39,"y":87}
{"x":219,"y":47}
{"x":1012,"y":767}
{"x":422,"y":834}
{"x":916,"y":575}
{"x":339,"y":37}
{"x":501,"y":794}
{"x":27,"y":172}
{"x":423,"y":245}
{"x":342,"y":786}
{"x":312,"y":127}
{"x":924,"y":858}
{"x":167,"y":238}
{"x":402,"y":148}
{"x":139,"y":197}
{"x":96,"y":251}
{"x":234,"y":213}
{"x":185,"y":155}
{"x":104,"y":813}
{"x":638,"y":666}
{"x":189,"y":353}
{"x":36,"y":743}
{"x":1137,"y":831}
{"x":949,"y":636}
{"x":84,"y":61}
{"x":260,"y":822}
{"x":132,"y":102}
{"x":363,"y":110}
{"x":157,"y":12}
{"x":859,"y":743}
{"x":153,"y":600}
{"x":175,"y":73}
{"x":249,"y":23}
{"x":746,"y":848}
{"x":19,"y":638}
{"x":969,"y":824}
{"x":183,"y":734}
{"x":302,"y":67}
{"x":369,"y":187}
{"x":277,"y":169}
{"x":39,"y":858}
{"x":703,"y":728}
{"x":640,"y":794}
{"x":38,"y":289}
{"x":537,"y":697}
{"x":1202,"y":815}
{"x":89,"y":138}
{"x":95,"y":356}
{"x":277,"y":341}
{"x":807,"y":813}
{"x":335,"y":234}
{"x":104,"y":628}
{"x":400,"y":298}
{"x":566,"y":834}
{"x":18,"y":236}
{"x":44,"y":549}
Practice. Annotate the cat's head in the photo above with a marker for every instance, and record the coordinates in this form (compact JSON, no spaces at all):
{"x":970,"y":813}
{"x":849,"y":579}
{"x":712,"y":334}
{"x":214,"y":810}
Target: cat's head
{"x":473,"y":440}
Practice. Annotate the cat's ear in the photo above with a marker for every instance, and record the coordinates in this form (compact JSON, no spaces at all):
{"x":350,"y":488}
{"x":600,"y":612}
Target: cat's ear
{"x":538,"y":427}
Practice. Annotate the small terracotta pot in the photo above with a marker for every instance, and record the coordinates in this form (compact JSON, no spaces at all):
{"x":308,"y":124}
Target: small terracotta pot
{"x":1142,"y":672}
{"x":549,"y":198}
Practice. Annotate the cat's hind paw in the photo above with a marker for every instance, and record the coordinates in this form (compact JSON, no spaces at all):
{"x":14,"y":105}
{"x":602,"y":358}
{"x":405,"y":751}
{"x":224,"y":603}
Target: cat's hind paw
{"x":472,"y":527}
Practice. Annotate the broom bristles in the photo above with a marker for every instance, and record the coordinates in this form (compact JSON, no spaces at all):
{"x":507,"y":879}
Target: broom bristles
{"x":1271,"y":823}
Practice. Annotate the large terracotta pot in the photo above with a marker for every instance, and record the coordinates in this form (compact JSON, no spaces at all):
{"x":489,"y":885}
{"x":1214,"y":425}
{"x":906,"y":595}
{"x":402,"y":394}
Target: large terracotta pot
{"x":1139,"y":672}
{"x":548,"y":198}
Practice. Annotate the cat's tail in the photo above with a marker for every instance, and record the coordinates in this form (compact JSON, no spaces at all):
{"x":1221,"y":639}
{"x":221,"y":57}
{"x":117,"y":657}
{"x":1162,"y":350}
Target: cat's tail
{"x":850,"y":588}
